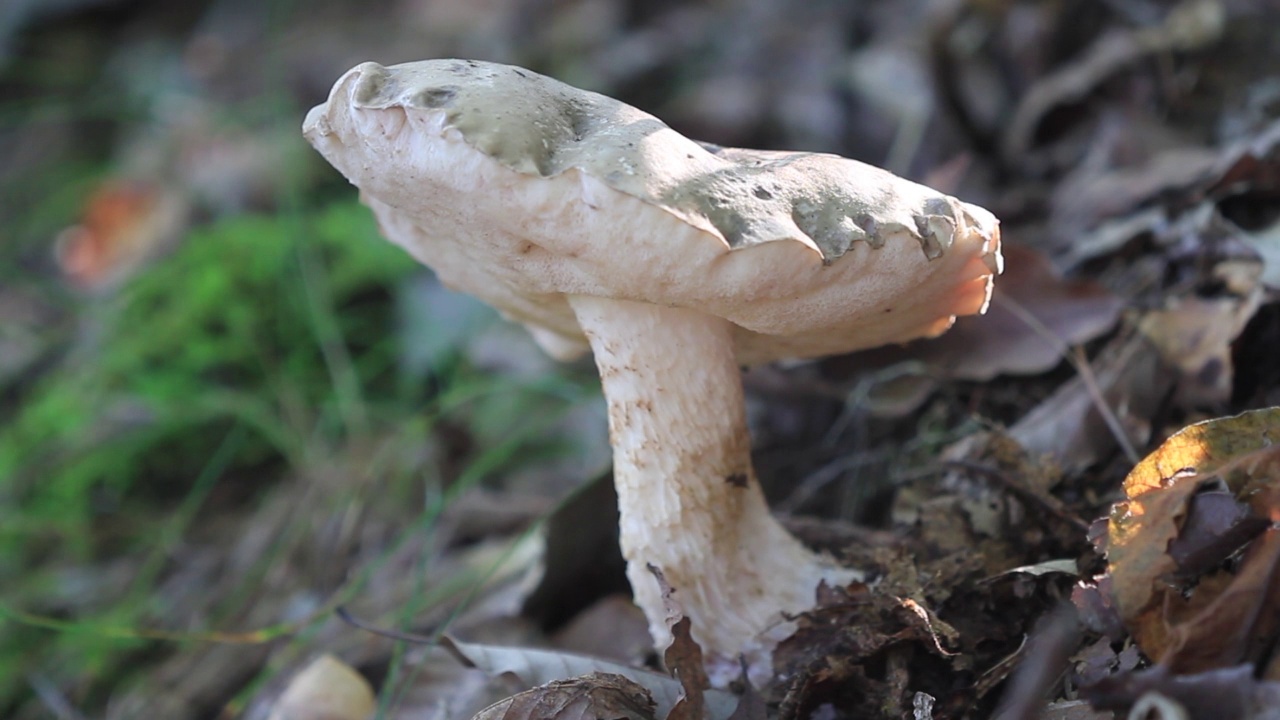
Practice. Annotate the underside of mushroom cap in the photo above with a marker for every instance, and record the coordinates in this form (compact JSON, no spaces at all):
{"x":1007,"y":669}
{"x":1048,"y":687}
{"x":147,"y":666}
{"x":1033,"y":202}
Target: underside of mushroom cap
{"x":520,"y":189}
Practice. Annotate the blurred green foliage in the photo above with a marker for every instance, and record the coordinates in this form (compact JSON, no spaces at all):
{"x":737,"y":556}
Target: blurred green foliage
{"x":222,"y":338}
{"x":224,"y":331}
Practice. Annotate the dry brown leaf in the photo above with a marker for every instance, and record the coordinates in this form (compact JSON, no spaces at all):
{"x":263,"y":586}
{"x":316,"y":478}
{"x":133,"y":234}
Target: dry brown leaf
{"x":1094,"y":661}
{"x":1194,"y":335}
{"x":1095,"y":604}
{"x":327,"y":689}
{"x":1097,"y":209}
{"x":683,"y":658}
{"x":841,"y":646}
{"x":596,"y":696}
{"x":1229,"y":447}
{"x":1240,"y":453}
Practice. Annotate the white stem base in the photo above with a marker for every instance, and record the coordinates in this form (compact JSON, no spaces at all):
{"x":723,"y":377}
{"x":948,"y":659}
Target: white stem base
{"x":690,"y":504}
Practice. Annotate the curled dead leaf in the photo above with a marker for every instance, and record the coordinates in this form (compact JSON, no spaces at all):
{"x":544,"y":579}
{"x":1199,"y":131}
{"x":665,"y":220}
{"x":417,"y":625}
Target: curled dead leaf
{"x":841,"y":646}
{"x":1220,"y":619}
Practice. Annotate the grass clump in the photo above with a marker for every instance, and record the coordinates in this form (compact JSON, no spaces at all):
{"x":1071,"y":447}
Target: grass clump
{"x":277,"y":329}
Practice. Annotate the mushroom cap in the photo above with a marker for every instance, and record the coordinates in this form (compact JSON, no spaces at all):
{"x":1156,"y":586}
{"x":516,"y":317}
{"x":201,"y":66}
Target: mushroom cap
{"x":520,"y":190}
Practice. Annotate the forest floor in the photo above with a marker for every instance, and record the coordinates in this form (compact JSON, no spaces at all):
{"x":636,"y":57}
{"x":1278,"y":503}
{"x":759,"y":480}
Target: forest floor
{"x":241,"y":435}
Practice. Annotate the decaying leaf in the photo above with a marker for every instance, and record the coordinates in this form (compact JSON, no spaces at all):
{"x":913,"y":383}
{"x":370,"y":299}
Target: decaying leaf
{"x":1098,"y":209}
{"x":1185,"y":348}
{"x":327,"y":689}
{"x":851,"y":651}
{"x":596,"y":696}
{"x":1100,"y":660}
{"x":539,"y":667}
{"x":990,"y":464}
{"x":1127,"y":378}
{"x":1211,"y":624}
{"x":1095,"y":604}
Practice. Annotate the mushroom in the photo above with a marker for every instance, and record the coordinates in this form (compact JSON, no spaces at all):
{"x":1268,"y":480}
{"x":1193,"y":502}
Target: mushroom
{"x":675,"y":262}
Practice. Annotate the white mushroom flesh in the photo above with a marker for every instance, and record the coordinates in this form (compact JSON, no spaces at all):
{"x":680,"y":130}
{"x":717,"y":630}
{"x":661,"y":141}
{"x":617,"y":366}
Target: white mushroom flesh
{"x":690,"y":504}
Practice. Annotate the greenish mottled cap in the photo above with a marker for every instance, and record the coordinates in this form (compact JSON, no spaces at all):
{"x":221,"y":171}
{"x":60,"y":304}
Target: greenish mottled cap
{"x":559,"y":190}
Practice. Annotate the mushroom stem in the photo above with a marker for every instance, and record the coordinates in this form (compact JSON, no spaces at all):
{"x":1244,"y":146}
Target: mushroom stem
{"x":688,"y":496}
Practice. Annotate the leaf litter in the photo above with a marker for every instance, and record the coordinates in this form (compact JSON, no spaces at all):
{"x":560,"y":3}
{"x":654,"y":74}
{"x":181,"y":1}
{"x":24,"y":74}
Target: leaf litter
{"x":1134,"y":156}
{"x":1152,"y":537}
